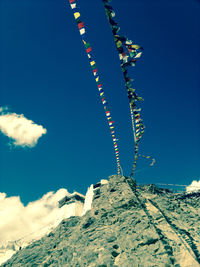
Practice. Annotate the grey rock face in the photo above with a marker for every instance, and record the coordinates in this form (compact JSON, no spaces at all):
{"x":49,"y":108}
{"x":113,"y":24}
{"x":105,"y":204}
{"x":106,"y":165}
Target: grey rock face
{"x":127,"y":226}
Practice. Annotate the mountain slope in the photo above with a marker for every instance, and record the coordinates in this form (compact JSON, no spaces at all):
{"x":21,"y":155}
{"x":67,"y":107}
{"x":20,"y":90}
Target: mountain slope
{"x":126,"y":226}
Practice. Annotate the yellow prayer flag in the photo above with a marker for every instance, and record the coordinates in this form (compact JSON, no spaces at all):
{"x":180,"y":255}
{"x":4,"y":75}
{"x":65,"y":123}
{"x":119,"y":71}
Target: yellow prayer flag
{"x":135,"y":46}
{"x":76,"y":15}
{"x":138,"y":55}
{"x":92,"y":63}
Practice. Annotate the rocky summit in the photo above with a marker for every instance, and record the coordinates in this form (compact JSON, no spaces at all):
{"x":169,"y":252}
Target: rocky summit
{"x":126,"y":226}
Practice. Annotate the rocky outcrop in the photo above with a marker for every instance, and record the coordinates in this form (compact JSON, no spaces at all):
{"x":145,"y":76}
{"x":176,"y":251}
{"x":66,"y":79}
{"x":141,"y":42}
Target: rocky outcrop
{"x":126,"y":226}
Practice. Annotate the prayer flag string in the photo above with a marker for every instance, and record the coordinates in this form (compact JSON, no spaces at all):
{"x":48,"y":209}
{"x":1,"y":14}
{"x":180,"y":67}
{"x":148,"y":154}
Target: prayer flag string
{"x":82,"y":30}
{"x":128,"y":55}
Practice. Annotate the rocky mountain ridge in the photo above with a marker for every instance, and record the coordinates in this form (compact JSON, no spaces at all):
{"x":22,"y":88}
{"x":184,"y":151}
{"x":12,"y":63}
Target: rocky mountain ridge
{"x":126,"y":226}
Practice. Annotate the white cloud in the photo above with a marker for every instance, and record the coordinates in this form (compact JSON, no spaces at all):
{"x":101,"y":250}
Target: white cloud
{"x":193,"y":187}
{"x":19,"y":221}
{"x":22,"y":131}
{"x":20,"y":225}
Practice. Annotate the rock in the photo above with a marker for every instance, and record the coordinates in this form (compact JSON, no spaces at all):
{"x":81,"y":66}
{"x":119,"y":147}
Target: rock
{"x":126,"y":226}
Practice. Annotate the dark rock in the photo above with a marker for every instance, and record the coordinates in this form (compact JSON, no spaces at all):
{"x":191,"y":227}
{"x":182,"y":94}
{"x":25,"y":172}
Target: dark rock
{"x":115,"y":246}
{"x":115,"y":253}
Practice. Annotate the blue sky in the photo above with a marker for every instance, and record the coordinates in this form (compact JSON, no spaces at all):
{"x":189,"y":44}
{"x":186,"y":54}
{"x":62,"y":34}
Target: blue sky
{"x":45,"y":75}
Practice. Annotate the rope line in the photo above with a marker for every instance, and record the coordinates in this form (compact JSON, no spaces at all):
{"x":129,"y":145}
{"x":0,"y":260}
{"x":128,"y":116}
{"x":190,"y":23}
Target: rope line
{"x":82,"y":30}
{"x":128,"y":55}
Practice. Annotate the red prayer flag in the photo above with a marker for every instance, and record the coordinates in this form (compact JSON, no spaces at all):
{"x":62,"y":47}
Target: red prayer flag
{"x":88,"y":50}
{"x":81,"y":25}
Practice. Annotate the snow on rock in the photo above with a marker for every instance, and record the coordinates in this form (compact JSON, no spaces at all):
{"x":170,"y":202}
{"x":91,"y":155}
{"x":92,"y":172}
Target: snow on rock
{"x":88,"y":199}
{"x":103,"y":181}
{"x":90,"y":194}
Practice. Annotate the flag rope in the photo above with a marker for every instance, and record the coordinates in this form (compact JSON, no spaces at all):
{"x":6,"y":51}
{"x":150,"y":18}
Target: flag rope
{"x":128,"y":55}
{"x":81,"y":27}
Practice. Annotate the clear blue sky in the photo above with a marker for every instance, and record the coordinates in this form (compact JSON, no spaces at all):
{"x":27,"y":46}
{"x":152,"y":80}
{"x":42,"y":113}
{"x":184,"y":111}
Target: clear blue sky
{"x":45,"y":74}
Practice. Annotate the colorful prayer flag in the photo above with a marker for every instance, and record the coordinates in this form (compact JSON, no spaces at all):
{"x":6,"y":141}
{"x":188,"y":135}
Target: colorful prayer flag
{"x":76,"y":15}
{"x":82,"y":31}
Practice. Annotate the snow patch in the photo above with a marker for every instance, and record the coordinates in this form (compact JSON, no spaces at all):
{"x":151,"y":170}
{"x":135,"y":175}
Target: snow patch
{"x":88,"y":199}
